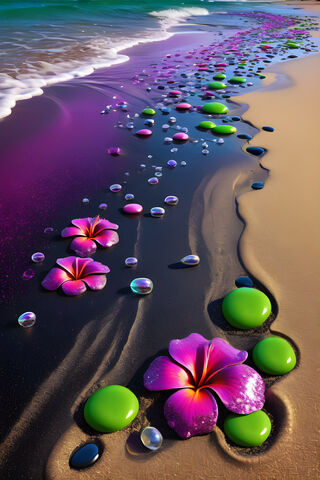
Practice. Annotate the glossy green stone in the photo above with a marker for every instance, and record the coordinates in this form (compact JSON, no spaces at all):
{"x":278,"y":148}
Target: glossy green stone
{"x":111,"y":408}
{"x":274,"y":355}
{"x":246,"y":308}
{"x":206,"y":124}
{"x":148,"y":111}
{"x":237,"y":80}
{"x":215,"y":107}
{"x":247,"y":430}
{"x":224,"y":129}
{"x":219,"y":76}
{"x":216,"y":85}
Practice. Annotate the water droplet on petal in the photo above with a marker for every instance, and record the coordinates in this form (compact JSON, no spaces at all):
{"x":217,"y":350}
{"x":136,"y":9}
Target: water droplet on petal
{"x":27,"y":319}
{"x":157,"y":212}
{"x":151,"y":438}
{"x":37,"y":257}
{"x":131,"y":261}
{"x":142,"y":286}
{"x":190,"y":260}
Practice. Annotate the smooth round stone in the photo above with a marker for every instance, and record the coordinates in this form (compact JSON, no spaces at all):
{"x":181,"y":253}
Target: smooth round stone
{"x":243,"y":281}
{"x":129,"y":196}
{"x":165,"y":110}
{"x":257,"y":185}
{"x":103,"y":206}
{"x":171,"y":163}
{"x":244,"y":136}
{"x":255,"y":151}
{"x":114,"y":151}
{"x":224,"y":129}
{"x":268,"y":129}
{"x":132,"y":208}
{"x":181,"y":136}
{"x":145,"y":132}
{"x":246,"y":308}
{"x":274,"y":355}
{"x":85,"y":456}
{"x":219,"y":76}
{"x":142,"y":286}
{"x":153,"y":181}
{"x":115,"y":188}
{"x":157,"y":212}
{"x":151,"y":438}
{"x":131,"y":261}
{"x":247,"y":430}
{"x":148,"y":111}
{"x":37,"y":257}
{"x":27,"y":319}
{"x":207,"y":125}
{"x":190,"y":260}
{"x":214,"y":107}
{"x":183,"y":106}
{"x":111,"y":408}
{"x":216,"y":85}
{"x":237,"y":80}
{"x":171,"y":200}
{"x":174,"y":93}
{"x":149,"y":122}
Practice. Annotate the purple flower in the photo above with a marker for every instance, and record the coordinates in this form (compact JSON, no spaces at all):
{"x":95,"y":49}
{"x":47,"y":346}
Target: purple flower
{"x":88,"y":231}
{"x":75,"y":274}
{"x":197,"y":368}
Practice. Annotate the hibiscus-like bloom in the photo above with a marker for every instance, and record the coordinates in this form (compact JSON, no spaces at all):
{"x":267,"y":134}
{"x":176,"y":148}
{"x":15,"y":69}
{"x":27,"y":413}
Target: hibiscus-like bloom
{"x":74,"y":274}
{"x":88,"y":231}
{"x":197,"y":367}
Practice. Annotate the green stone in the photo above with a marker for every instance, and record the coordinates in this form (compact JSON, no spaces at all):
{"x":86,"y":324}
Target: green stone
{"x":148,"y":111}
{"x":111,"y":408}
{"x":207,"y":125}
{"x":216,"y":85}
{"x":246,"y":308}
{"x":247,"y":430}
{"x":259,"y":75}
{"x":219,"y":76}
{"x":274,"y":355}
{"x":214,"y":107}
{"x":237,"y":80}
{"x":224,"y":129}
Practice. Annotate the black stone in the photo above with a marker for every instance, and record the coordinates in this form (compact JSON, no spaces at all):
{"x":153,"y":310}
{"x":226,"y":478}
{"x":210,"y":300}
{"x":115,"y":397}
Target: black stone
{"x":244,"y":136}
{"x":236,"y":118}
{"x":268,"y":129}
{"x":243,"y":281}
{"x":85,"y":456}
{"x":257,"y":151}
{"x":257,"y":185}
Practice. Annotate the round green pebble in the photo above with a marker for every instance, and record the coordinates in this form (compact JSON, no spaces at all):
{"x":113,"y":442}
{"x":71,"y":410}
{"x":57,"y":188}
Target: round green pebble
{"x":148,"y":111}
{"x":216,"y":85}
{"x":214,"y":107}
{"x":224,"y":129}
{"x":246,"y":308}
{"x":274,"y":355}
{"x":111,"y":408}
{"x":237,"y":80}
{"x":219,"y":76}
{"x":207,"y":125}
{"x":247,"y":430}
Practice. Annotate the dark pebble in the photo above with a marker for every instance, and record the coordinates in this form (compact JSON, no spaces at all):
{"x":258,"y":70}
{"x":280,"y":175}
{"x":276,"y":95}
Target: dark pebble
{"x":85,"y":456}
{"x":257,"y":185}
{"x":255,"y":151}
{"x":244,"y":136}
{"x":268,"y":129}
{"x":243,"y":281}
{"x":236,"y":118}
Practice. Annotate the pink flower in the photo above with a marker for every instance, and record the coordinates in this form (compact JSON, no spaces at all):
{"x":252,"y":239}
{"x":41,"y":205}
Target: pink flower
{"x":197,"y":368}
{"x":75,"y":274}
{"x":88,"y":231}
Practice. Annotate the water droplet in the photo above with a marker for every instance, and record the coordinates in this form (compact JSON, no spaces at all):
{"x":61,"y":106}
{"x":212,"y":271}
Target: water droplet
{"x":171,"y":200}
{"x":167,"y":140}
{"x":142,"y":286}
{"x":48,"y":230}
{"x":158,"y":174}
{"x":171,"y":163}
{"x":28,"y":274}
{"x":85,"y":201}
{"x":151,"y":438}
{"x":153,"y":181}
{"x":115,"y":188}
{"x":129,"y":196}
{"x":37,"y":257}
{"x":205,"y":152}
{"x":143,"y":166}
{"x":27,"y":319}
{"x":220,"y":141}
{"x":190,"y":260}
{"x":114,"y":151}
{"x":173,"y":150}
{"x":157,"y":212}
{"x":103,"y":206}
{"x":131,"y":261}
{"x":165,"y":126}
{"x":172,"y":119}
{"x":183,"y":163}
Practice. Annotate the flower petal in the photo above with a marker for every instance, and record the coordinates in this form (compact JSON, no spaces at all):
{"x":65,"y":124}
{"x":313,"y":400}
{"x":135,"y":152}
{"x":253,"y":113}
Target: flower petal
{"x":221,"y":354}
{"x":107,"y":238}
{"x":164,"y":374}
{"x":96,"y":282}
{"x":186,"y":350}
{"x":71,"y":263}
{"x":104,"y":224}
{"x":55,"y":278}
{"x":74,"y":287}
{"x":72,"y":232}
{"x":95,"y":268}
{"x":83,"y":246}
{"x":191,"y":412}
{"x":82,"y":223}
{"x":240,"y":388}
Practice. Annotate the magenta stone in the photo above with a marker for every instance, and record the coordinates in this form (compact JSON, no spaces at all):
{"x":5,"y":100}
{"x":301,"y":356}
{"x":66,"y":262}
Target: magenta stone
{"x":181,"y":136}
{"x":145,"y":132}
{"x":174,"y":93}
{"x":183,"y":106}
{"x":132,"y":208}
